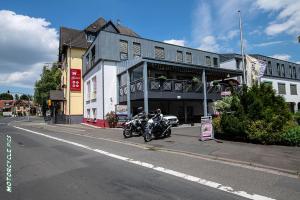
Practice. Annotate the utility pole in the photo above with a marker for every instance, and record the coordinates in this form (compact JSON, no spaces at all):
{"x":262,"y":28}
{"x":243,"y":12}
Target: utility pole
{"x":242,"y":50}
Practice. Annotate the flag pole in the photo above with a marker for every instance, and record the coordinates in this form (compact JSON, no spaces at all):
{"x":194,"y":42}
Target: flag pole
{"x":242,"y":49}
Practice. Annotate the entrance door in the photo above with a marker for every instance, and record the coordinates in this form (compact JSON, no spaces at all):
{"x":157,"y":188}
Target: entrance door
{"x":190,"y":112}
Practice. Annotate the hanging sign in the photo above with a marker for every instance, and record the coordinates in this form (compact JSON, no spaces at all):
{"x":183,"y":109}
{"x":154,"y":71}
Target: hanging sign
{"x":75,"y":79}
{"x":206,"y":129}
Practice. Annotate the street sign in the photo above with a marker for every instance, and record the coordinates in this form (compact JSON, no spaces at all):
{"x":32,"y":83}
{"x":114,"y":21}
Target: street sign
{"x":75,"y":80}
{"x":206,"y":129}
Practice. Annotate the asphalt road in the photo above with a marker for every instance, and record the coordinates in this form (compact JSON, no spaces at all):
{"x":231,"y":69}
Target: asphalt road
{"x":57,"y":167}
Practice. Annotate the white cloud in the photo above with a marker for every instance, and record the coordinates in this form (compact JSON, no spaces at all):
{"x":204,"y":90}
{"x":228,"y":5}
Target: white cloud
{"x":265,"y":44}
{"x":215,"y":23}
{"x":26,"y":43}
{"x":288,"y":16}
{"x":209,"y":43}
{"x":176,"y":42}
{"x":282,"y":56}
{"x":230,"y":35}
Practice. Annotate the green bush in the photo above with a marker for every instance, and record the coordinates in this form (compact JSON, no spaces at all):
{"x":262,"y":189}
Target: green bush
{"x":217,"y":125}
{"x":258,"y":115}
{"x":291,"y":137}
{"x":296,"y":117}
{"x":233,"y":127}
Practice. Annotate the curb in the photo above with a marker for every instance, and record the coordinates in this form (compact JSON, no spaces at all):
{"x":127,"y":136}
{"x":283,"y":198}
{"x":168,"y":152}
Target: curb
{"x":253,"y":165}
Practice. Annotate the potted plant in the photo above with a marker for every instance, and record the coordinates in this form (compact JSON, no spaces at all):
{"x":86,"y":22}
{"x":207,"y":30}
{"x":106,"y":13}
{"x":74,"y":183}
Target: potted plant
{"x":112,"y":119}
{"x":195,"y":80}
{"x":162,"y":78}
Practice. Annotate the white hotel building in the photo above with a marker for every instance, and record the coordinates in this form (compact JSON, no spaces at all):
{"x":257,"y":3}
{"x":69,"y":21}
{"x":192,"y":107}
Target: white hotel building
{"x":284,"y":76}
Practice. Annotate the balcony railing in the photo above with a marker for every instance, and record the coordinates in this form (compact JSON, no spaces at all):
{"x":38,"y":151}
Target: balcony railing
{"x":176,"y":86}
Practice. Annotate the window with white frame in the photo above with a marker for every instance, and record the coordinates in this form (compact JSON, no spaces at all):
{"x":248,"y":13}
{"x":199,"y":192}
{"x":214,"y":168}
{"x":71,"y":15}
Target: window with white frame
{"x":88,"y":113}
{"x":281,"y":88}
{"x":88,"y":86}
{"x":94,"y":114}
{"x":94,"y":81}
{"x":293,"y":89}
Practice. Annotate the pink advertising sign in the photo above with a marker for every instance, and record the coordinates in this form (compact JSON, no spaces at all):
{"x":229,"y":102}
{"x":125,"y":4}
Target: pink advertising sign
{"x":206,"y":128}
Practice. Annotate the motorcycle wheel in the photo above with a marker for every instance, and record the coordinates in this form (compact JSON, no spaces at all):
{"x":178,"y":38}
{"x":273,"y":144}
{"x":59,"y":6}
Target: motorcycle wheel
{"x":147,"y":137}
{"x":127,"y":133}
{"x":168,"y":133}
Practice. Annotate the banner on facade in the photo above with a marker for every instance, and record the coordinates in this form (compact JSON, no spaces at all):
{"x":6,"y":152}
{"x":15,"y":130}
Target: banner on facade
{"x":206,"y":129}
{"x":75,"y":80}
{"x":255,"y":69}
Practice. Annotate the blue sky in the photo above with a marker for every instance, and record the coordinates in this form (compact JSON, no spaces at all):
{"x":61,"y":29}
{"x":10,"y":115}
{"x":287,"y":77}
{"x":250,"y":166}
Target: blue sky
{"x":30,"y":34}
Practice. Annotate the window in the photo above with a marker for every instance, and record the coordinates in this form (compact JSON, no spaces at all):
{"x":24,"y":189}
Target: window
{"x":278,"y":69}
{"x":90,"y":38}
{"x":268,"y":83}
{"x":294,"y":72}
{"x":270,"y":70}
{"x":281,"y":88}
{"x":93,"y":52}
{"x":94,"y":113}
{"x":207,"y":61}
{"x":88,"y":113}
{"x":94,"y":94}
{"x":179,"y":56}
{"x":215,"y":60}
{"x":136,"y":50}
{"x":188,"y":57}
{"x":137,"y":73}
{"x":87,"y":61}
{"x":282,"y":70}
{"x":88,"y":85}
{"x":123,"y":50}
{"x":290,"y":71}
{"x":159,"y":53}
{"x":293,"y":89}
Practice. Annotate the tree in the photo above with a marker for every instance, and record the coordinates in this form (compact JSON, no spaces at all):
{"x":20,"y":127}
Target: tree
{"x":257,"y":114}
{"x":50,"y":80}
{"x":24,"y":97}
{"x":17,"y":97}
{"x":6,"y":96}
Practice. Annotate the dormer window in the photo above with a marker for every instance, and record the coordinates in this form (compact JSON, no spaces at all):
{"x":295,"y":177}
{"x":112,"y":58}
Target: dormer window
{"x":90,"y":38}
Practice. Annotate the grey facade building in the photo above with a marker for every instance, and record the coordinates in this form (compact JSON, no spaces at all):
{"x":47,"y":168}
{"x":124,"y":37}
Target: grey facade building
{"x":136,"y":72}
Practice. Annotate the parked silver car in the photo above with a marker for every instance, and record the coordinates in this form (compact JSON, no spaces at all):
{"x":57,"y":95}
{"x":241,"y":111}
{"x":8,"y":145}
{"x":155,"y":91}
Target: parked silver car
{"x":173,"y":120}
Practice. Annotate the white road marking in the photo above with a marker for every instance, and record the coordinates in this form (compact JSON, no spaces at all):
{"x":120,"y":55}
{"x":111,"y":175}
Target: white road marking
{"x":251,"y":166}
{"x":160,"y":169}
